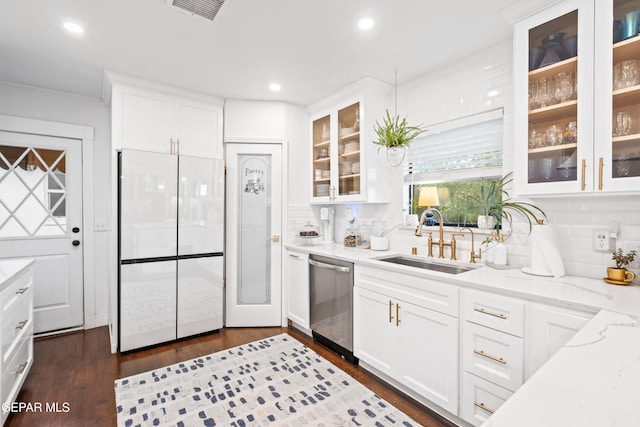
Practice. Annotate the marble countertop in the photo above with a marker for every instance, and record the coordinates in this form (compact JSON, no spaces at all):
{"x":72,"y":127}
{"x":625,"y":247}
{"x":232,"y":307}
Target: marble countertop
{"x":10,"y":268}
{"x":593,"y":381}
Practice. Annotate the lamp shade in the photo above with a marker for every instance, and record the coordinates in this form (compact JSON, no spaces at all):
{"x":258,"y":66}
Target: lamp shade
{"x":428,"y":197}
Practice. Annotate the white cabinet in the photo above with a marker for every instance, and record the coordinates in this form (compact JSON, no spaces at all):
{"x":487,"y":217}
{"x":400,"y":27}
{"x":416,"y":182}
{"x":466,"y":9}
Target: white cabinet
{"x":344,"y":163}
{"x":16,"y":327}
{"x":492,"y":352}
{"x":398,"y":332}
{"x":297,"y":285}
{"x":548,"y":329}
{"x":576,"y":120}
{"x":151,"y":117}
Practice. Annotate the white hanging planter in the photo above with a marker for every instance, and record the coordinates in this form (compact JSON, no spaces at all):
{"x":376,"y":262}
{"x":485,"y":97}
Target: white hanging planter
{"x":486,"y":222}
{"x":395,"y":155}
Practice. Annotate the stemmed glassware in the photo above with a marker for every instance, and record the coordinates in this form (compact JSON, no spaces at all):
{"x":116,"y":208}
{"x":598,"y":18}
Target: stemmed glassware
{"x":564,"y":86}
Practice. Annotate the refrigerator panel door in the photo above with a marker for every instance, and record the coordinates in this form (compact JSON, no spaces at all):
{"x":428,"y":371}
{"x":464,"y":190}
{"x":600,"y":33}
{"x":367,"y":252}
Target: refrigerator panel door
{"x":149,"y":200}
{"x":147,"y":304}
{"x":201,"y":210}
{"x":199,"y":295}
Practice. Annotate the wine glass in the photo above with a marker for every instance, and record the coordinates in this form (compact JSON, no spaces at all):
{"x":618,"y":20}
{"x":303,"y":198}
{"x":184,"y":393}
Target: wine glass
{"x":547,"y":168}
{"x":564,"y":86}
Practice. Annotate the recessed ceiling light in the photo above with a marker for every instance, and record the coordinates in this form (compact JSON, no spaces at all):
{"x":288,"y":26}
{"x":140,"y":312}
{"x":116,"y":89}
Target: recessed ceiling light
{"x":73,"y":28}
{"x":366,"y":23}
{"x":274,"y":87}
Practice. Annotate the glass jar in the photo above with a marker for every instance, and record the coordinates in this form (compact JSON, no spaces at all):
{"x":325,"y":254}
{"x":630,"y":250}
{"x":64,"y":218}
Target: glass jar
{"x":365,"y":236}
{"x":351,"y":237}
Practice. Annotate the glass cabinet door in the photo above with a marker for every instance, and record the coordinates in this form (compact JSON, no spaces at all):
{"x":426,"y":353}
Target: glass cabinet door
{"x":349,"y":150}
{"x":321,"y":157}
{"x":553,"y":94}
{"x":622,"y":156}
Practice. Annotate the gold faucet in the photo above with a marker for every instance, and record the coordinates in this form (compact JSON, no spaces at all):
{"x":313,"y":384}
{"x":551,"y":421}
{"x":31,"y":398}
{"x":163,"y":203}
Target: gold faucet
{"x":440,"y":242}
{"x":474,"y":257}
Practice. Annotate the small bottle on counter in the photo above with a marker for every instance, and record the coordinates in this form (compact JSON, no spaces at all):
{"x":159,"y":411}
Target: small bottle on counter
{"x":500,"y":252}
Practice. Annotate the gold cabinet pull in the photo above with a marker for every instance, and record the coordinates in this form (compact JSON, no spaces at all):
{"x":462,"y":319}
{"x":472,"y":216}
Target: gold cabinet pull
{"x":390,"y":311}
{"x":20,"y":325}
{"x":483,"y":311}
{"x":274,"y":238}
{"x":178,"y":146}
{"x":397,"y":314}
{"x":22,"y":291}
{"x":481,"y":406}
{"x":600,"y":166}
{"x":21,"y":368}
{"x":294,"y":256}
{"x":488,"y":356}
{"x":584,"y":171}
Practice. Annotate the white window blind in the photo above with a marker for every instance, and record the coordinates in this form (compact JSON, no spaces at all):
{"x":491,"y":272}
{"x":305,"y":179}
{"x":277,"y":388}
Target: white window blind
{"x":459,"y":149}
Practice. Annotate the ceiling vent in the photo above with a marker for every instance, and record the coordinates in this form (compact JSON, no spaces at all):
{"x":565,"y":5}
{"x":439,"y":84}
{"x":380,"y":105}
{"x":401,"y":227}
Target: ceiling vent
{"x":207,"y":9}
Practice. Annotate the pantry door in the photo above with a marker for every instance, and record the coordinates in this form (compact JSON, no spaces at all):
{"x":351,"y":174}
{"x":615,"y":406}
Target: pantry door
{"x":254,"y":222}
{"x":41,"y":219}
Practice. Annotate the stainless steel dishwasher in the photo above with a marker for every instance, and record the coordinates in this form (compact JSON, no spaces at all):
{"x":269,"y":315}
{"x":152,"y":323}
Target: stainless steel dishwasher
{"x":331,"y":304}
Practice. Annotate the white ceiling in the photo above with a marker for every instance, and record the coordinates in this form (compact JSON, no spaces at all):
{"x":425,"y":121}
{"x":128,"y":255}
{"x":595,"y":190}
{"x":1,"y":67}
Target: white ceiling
{"x":311,"y":47}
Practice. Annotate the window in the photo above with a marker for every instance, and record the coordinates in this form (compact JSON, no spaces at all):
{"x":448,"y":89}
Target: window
{"x":457,"y":157}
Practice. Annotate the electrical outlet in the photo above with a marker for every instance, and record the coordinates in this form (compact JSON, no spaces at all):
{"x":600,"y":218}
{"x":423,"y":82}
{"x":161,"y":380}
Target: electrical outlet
{"x":601,"y":241}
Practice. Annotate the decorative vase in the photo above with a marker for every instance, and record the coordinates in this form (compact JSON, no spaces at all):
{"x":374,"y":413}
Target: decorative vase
{"x":486,"y":222}
{"x":395,"y":155}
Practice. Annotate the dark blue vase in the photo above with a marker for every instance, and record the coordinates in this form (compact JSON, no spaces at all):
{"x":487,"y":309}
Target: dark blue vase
{"x":535,"y":57}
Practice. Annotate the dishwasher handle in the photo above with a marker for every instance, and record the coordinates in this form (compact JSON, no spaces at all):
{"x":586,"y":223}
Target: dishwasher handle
{"x":329,"y":266}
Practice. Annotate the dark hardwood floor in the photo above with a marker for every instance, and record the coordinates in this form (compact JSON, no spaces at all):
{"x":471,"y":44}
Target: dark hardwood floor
{"x":76,"y":371}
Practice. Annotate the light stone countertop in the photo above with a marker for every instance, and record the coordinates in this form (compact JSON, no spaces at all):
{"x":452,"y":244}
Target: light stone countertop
{"x":10,"y":268}
{"x":593,"y":381}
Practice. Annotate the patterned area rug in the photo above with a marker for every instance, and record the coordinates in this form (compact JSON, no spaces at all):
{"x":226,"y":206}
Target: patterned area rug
{"x":277,"y":381}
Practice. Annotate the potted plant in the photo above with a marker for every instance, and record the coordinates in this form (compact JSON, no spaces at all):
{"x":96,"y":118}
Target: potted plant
{"x":395,"y":135}
{"x":496,"y":204}
{"x":619,"y":275}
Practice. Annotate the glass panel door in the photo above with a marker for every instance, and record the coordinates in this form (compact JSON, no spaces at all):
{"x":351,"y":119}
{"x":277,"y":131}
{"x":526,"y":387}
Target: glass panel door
{"x":625,"y":138}
{"x":349,"y":150}
{"x":321,"y":156}
{"x":553,"y":100}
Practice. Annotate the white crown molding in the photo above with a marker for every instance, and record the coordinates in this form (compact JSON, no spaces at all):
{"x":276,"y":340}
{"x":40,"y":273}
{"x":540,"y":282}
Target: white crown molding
{"x":523,"y":9}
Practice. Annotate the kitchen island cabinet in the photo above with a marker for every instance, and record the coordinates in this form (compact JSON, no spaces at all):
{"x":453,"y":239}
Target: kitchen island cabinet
{"x":16,"y":327}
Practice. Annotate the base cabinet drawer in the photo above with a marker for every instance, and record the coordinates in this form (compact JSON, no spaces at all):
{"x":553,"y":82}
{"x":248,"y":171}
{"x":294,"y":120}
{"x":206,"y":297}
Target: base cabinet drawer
{"x":15,"y":372}
{"x":493,"y":355}
{"x":480,"y":398}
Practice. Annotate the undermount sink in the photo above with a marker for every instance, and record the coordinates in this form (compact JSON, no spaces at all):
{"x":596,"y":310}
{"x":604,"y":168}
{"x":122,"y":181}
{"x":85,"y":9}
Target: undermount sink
{"x":425,"y":264}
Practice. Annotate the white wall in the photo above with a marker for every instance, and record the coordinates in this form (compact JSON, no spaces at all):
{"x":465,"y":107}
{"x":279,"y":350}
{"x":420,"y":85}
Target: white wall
{"x":42,"y":104}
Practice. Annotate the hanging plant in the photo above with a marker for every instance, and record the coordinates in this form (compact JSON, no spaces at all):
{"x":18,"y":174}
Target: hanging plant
{"x":395,"y":135}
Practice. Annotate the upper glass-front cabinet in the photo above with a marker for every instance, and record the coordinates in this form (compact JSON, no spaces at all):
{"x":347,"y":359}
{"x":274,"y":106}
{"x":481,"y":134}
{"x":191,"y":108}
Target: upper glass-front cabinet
{"x":337,"y":156}
{"x":618,"y":96}
{"x":577,"y":85}
{"x":554,"y":119}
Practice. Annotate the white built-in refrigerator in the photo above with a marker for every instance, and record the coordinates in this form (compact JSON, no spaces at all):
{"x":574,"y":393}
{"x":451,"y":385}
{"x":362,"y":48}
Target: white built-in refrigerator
{"x":171,"y":224}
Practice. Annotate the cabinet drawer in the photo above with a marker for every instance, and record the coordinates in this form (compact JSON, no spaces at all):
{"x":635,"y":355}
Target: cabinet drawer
{"x":494,"y":311}
{"x":480,"y":398}
{"x":15,"y":324}
{"x":427,"y":293}
{"x":16,"y":370}
{"x":493,"y":355}
{"x":16,"y":292}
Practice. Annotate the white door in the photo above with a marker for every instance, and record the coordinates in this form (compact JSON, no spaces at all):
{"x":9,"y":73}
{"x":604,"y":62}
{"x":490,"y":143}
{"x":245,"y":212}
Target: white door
{"x":41,"y":218}
{"x":254,"y":222}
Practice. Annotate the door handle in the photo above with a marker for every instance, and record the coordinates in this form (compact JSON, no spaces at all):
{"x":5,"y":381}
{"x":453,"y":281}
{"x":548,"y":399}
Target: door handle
{"x":75,"y":229}
{"x":329,"y":266}
{"x":76,"y":243}
{"x":274,"y":238}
